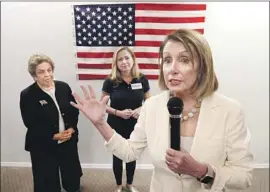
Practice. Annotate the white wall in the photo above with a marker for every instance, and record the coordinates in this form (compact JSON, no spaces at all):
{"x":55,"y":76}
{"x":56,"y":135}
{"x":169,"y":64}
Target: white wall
{"x":237,"y":32}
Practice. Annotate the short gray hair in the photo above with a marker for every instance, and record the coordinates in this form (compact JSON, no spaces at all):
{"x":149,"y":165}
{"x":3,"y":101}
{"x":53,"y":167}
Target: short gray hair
{"x":37,"y":59}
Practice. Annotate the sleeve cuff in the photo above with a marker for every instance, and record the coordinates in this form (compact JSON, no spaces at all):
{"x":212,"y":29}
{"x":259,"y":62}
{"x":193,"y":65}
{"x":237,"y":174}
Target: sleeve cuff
{"x":209,"y":185}
{"x":113,"y":142}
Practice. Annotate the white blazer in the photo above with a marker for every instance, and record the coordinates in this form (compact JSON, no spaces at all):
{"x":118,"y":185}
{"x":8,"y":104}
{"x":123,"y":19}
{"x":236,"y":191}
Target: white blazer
{"x":222,"y":140}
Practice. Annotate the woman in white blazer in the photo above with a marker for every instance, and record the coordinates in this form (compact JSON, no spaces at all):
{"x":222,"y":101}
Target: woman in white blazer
{"x":215,"y":141}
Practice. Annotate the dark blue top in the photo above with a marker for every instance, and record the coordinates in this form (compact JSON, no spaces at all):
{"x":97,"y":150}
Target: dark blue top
{"x":125,"y":96}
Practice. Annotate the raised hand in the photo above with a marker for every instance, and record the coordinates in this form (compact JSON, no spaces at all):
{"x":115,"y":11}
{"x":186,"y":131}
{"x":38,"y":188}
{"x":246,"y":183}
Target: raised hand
{"x":92,"y":108}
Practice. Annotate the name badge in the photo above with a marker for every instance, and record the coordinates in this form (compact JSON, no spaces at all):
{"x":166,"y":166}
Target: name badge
{"x":135,"y":86}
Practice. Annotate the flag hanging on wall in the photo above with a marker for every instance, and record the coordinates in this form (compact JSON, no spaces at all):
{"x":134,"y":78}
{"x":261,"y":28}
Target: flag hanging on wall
{"x":101,"y":29}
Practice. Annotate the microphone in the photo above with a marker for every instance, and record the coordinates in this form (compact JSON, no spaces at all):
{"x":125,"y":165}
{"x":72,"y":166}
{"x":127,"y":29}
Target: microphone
{"x":175,"y":108}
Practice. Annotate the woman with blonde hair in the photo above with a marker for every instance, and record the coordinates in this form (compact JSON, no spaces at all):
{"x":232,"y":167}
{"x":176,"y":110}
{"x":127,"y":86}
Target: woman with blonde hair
{"x":215,"y":150}
{"x":127,"y":89}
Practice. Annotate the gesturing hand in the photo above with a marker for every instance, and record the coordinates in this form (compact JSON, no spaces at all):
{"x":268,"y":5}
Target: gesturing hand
{"x":92,"y":108}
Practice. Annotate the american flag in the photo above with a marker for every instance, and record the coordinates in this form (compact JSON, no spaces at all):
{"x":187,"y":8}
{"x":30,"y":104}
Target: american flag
{"x":101,"y":29}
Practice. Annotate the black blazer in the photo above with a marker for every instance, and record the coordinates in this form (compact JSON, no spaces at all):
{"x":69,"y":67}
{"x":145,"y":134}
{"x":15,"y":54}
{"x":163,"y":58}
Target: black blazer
{"x":41,"y":117}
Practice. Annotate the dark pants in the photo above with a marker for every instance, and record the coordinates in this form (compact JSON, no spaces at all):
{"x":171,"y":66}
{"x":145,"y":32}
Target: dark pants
{"x":47,"y":164}
{"x":118,"y":170}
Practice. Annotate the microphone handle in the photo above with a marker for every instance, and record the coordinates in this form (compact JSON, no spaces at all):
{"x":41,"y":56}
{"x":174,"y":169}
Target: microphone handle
{"x":175,"y":133}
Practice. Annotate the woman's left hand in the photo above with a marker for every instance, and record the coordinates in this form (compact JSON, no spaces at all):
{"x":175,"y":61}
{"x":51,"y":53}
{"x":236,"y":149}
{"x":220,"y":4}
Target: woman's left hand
{"x":136,"y":113}
{"x":182,"y":162}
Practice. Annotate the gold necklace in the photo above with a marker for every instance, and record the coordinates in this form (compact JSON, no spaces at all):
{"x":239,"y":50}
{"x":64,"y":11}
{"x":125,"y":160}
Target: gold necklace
{"x":192,"y":112}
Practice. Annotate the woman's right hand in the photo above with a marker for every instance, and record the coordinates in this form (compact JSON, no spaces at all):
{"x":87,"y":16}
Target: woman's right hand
{"x":92,"y":108}
{"x":125,"y":114}
{"x":61,"y":137}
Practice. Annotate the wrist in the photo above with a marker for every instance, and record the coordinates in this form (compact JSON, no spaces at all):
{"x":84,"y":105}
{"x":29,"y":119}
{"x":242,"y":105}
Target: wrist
{"x":201,"y":171}
{"x":100,"y":124}
{"x":208,"y":177}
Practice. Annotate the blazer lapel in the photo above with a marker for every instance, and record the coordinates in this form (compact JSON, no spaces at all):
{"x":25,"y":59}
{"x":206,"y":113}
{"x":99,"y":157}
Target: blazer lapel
{"x":162,"y":123}
{"x":205,"y":125}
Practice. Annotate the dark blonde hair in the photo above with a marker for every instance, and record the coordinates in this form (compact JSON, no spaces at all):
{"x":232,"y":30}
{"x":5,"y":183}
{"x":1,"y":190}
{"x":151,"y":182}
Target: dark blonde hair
{"x":115,"y":73}
{"x":206,"y":82}
{"x":37,"y":59}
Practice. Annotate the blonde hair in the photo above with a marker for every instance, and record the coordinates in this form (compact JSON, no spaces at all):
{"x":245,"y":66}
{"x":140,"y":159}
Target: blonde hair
{"x":206,"y":82}
{"x":115,"y":73}
{"x":37,"y":59}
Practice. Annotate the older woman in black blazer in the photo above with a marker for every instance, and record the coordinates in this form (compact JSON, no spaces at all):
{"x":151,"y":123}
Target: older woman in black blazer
{"x":52,"y":132}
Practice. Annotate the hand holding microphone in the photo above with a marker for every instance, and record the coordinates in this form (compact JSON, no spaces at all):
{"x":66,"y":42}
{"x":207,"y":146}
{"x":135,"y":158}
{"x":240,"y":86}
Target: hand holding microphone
{"x":178,"y":161}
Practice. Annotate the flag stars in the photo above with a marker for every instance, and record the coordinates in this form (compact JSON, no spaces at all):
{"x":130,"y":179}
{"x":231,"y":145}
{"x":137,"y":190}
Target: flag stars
{"x":101,"y":25}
